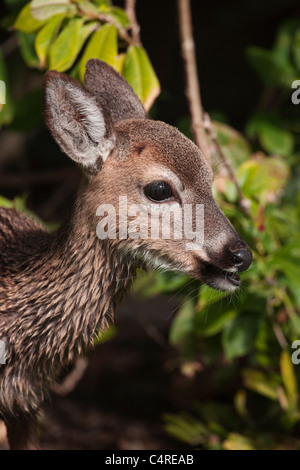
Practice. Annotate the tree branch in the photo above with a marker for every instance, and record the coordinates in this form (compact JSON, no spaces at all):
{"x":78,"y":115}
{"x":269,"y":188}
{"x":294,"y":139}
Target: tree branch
{"x":134,"y":25}
{"x":71,"y":380}
{"x":201,"y":123}
{"x":106,"y":19}
{"x":122,"y":31}
{"x":192,"y":82}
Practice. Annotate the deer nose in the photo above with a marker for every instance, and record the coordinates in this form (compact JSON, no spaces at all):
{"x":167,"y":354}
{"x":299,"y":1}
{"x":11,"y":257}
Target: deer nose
{"x":242,"y":258}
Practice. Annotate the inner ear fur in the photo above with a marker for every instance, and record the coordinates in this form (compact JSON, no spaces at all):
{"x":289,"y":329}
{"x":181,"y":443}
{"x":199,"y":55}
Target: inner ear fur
{"x":79,"y":125}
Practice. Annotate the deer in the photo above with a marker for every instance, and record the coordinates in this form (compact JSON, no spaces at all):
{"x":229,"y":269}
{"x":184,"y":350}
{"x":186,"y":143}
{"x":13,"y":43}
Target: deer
{"x":59,"y":289}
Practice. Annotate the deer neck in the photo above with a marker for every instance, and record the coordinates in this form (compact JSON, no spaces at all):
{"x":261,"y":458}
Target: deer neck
{"x":94,"y":276}
{"x":75,"y":286}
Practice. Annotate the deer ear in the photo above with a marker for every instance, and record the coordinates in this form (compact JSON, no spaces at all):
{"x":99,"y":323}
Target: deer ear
{"x":112,"y":91}
{"x":78,"y":124}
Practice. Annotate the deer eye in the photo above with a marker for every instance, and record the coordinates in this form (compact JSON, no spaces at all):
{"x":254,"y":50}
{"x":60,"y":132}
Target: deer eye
{"x":158,"y":191}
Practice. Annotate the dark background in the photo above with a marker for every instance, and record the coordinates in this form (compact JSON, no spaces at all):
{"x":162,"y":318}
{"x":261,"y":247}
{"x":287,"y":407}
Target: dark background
{"x":222,"y":31}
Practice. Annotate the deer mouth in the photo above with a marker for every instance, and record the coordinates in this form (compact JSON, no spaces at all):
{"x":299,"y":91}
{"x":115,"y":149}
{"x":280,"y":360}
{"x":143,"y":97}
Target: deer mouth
{"x":219,"y":279}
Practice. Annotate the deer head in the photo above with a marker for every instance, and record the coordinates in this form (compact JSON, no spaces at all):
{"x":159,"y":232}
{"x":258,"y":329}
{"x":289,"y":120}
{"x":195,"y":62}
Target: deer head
{"x":133,"y":162}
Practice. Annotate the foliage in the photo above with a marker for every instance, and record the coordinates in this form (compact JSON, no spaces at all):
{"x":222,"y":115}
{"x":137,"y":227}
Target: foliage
{"x":64,"y":35}
{"x":247,"y":336}
{"x":254,"y":330}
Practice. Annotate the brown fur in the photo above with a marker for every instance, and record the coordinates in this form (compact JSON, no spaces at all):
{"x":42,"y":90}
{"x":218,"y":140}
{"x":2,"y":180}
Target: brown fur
{"x":58,"y":290}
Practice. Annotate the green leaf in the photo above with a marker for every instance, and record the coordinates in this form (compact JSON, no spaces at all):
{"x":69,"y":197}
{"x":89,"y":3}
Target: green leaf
{"x":234,"y":145}
{"x":284,"y":40}
{"x":46,"y":36}
{"x":240,"y":403}
{"x":119,"y":15}
{"x":275,"y":139}
{"x":19,"y":203}
{"x":44,"y":9}
{"x":263,"y":178}
{"x":213,"y":320}
{"x":271,"y":134}
{"x":236,"y":441}
{"x":288,"y":378}
{"x":102,"y":3}
{"x":296,"y":49}
{"x":295,"y":323}
{"x":89,"y":9}
{"x":25,"y":22}
{"x":239,"y":335}
{"x":259,"y":382}
{"x":26,"y":43}
{"x":67,"y":46}
{"x":183,"y":323}
{"x":119,"y":62}
{"x":7,"y":203}
{"x":289,"y":266}
{"x":106,"y":335}
{"x":6,"y":104}
{"x":102,"y":45}
{"x":168,"y":282}
{"x":270,"y":68}
{"x":214,"y":310}
{"x":185,"y":428}
{"x":139,"y":73}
